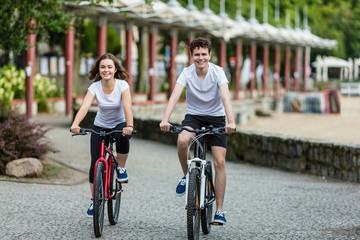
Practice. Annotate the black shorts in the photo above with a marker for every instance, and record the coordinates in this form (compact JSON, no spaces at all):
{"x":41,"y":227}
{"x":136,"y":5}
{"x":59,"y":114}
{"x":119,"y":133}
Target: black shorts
{"x":122,"y":145}
{"x":196,"y":122}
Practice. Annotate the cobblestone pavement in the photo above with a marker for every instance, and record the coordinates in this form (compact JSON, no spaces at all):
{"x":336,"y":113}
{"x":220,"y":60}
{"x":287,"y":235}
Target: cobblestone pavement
{"x":261,"y":203}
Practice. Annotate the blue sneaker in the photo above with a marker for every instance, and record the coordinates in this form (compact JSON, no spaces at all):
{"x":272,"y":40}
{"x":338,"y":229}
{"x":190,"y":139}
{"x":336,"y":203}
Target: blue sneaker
{"x":219,"y":217}
{"x":90,"y":211}
{"x":181,"y":187}
{"x":122,"y":175}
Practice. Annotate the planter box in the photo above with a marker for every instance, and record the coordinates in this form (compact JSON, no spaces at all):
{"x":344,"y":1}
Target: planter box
{"x":20,"y":106}
{"x":56,"y":105}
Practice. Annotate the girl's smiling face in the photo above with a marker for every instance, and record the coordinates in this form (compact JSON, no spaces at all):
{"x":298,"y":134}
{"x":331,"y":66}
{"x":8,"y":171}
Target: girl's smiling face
{"x":107,"y":69}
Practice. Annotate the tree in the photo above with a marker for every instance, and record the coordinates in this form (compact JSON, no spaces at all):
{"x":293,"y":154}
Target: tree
{"x":14,"y":15}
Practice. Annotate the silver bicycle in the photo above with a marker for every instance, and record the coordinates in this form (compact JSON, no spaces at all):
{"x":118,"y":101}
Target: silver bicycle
{"x":200,"y":189}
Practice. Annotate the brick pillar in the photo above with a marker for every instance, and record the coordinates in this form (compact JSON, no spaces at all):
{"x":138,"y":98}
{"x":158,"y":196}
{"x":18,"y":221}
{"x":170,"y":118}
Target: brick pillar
{"x":222,"y":54}
{"x":296,"y":69}
{"x":287,"y":68}
{"x":238,"y":64}
{"x":69,"y":66}
{"x":277,"y":71}
{"x":128,"y":62}
{"x":265,"y":69}
{"x":305,"y":67}
{"x":101,"y":35}
{"x":173,"y":50}
{"x":30,"y":67}
{"x":152,"y":70}
{"x":191,"y":37}
{"x":253,"y":66}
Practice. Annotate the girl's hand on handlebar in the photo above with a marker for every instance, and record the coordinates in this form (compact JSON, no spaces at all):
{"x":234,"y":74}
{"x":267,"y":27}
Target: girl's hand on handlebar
{"x":164,"y":126}
{"x":230,"y":128}
{"x":127,"y":130}
{"x":75,"y":129}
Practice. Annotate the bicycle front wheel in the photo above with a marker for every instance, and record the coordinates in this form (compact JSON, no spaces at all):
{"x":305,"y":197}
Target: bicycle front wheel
{"x":206,"y":213}
{"x":115,"y":197}
{"x":99,"y":198}
{"x":193,"y":205}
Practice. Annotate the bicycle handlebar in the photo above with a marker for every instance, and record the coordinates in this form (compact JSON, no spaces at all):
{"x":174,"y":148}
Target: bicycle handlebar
{"x":209,"y":129}
{"x":84,"y":131}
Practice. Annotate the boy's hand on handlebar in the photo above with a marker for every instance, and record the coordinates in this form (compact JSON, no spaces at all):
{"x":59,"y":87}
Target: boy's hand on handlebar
{"x":75,"y":129}
{"x":230,"y":128}
{"x":164,"y":126}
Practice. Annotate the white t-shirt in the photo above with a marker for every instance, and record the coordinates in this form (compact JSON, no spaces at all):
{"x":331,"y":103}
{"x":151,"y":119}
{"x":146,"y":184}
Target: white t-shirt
{"x":203,"y":96}
{"x":111,"y":111}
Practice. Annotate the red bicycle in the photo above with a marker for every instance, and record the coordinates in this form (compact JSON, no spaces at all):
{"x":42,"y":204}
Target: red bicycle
{"x":106,"y":187}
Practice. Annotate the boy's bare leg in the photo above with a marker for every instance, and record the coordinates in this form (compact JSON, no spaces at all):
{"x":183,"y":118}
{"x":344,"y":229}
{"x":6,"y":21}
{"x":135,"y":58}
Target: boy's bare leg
{"x":219,"y":154}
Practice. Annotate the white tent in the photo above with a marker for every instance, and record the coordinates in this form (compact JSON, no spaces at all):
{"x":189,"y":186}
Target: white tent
{"x":322,"y":66}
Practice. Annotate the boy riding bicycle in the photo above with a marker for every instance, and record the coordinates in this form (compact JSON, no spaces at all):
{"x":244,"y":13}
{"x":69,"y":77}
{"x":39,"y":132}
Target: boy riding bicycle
{"x":208,"y":100}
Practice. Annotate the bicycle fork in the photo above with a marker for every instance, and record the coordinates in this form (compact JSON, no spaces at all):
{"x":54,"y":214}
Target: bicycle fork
{"x":196,"y":163}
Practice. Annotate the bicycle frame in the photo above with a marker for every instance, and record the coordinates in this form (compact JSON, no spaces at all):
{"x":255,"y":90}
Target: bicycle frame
{"x":198,"y":163}
{"x":103,"y":151}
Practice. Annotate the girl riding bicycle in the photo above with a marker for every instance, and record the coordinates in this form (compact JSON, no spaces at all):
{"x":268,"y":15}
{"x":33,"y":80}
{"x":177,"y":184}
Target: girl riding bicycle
{"x":112,"y":94}
{"x":208,"y":100}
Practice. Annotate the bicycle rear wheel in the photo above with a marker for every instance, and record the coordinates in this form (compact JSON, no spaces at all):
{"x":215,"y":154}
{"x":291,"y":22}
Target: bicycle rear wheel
{"x":193,"y":205}
{"x":114,"y":201}
{"x":207,"y":212}
{"x":99,"y":198}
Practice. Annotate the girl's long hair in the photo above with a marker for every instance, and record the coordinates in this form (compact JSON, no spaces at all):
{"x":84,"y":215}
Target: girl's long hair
{"x":121,"y":73}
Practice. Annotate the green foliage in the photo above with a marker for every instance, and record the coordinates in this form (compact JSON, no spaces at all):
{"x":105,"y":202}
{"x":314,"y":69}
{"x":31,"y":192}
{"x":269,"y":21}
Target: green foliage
{"x":15,"y":14}
{"x":12,"y":85}
{"x":113,"y":39}
{"x":19,"y":138}
{"x":45,"y":88}
{"x":89,"y":41}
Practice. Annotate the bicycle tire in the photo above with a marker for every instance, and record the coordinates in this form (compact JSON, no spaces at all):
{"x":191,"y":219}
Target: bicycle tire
{"x":207,"y":212}
{"x":193,"y":205}
{"x":114,"y":203}
{"x":99,"y":198}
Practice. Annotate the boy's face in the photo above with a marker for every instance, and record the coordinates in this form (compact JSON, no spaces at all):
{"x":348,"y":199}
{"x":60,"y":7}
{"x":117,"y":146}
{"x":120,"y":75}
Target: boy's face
{"x":201,"y":57}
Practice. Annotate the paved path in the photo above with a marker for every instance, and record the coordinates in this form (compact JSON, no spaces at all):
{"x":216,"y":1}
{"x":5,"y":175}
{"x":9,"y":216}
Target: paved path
{"x":262,"y":203}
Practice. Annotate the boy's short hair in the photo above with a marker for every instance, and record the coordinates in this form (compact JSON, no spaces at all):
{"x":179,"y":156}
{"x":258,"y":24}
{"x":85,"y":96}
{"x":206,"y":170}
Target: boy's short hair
{"x":200,"y":43}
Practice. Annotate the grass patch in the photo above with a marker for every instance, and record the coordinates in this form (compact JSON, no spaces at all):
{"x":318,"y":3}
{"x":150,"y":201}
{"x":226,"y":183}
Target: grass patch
{"x":51,"y":170}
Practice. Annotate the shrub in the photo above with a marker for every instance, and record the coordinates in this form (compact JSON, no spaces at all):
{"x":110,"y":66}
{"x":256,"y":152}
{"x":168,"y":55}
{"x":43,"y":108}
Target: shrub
{"x":12,"y":85}
{"x":19,"y":138}
{"x":44,"y":88}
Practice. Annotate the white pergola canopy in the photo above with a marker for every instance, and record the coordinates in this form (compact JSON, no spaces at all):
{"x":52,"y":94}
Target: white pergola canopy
{"x":205,"y":20}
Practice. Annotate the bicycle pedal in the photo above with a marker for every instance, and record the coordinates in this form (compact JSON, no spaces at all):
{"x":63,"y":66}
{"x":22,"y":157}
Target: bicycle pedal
{"x":124,"y":181}
{"x":216,"y":223}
